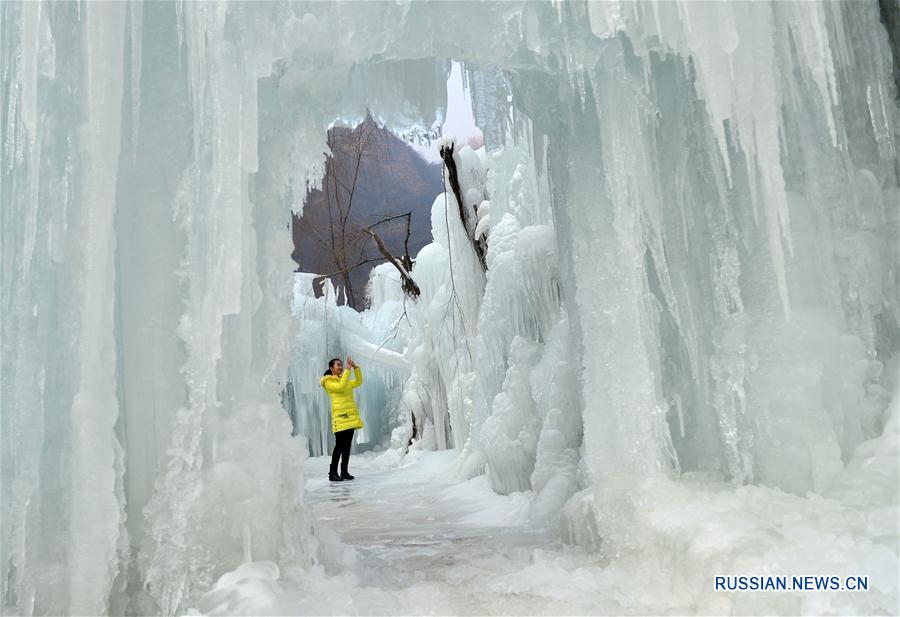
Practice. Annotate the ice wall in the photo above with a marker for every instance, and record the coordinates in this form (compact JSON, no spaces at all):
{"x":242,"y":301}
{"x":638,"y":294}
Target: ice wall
{"x":327,"y":328}
{"x":718,"y":334}
{"x":744,"y":328}
{"x":719,"y":182}
{"x":145,"y":328}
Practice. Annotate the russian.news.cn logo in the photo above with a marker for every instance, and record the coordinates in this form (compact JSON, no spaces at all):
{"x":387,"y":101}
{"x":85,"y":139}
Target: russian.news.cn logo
{"x":791,"y":583}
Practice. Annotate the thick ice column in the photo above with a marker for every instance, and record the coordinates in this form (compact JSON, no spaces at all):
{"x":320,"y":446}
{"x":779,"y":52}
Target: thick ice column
{"x":149,"y":301}
{"x":624,"y":421}
{"x":236,"y":276}
{"x":210,"y":206}
{"x":23,"y":368}
{"x":490,"y":89}
{"x":97,"y":515}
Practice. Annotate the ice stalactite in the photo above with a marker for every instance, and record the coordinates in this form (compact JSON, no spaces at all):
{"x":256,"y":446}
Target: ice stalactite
{"x":37,"y":384}
{"x":317,"y":339}
{"x":136,"y":37}
{"x":97,"y":519}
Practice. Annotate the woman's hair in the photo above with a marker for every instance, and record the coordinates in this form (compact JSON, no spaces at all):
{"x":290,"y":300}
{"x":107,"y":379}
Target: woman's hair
{"x":331,"y":364}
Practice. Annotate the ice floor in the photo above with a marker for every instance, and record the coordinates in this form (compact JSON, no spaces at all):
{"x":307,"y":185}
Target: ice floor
{"x":414,"y":539}
{"x":409,"y":537}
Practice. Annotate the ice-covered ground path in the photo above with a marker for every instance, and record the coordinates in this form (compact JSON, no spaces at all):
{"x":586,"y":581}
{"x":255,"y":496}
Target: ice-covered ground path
{"x":409,"y":537}
{"x":414,"y":539}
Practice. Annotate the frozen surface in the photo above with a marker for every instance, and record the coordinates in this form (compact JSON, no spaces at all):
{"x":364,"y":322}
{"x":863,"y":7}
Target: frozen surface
{"x":412,"y":539}
{"x":408,"y":536}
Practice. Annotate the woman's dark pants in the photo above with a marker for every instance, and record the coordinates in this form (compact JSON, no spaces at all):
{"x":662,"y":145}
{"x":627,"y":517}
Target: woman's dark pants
{"x":342,"y":441}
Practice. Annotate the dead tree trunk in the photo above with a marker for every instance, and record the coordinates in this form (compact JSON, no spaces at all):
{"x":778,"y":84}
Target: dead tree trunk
{"x":478,"y":245}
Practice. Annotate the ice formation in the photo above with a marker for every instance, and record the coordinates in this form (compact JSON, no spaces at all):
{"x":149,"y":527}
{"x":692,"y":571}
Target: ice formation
{"x":691,"y":214}
{"x":327,"y":329}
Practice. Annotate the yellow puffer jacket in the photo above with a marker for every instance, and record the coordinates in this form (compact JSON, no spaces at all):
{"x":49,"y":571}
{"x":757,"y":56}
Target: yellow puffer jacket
{"x":344,"y":413}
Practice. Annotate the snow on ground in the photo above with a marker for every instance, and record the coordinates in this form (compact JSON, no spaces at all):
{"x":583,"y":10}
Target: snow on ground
{"x":416,"y":539}
{"x":407,"y":536}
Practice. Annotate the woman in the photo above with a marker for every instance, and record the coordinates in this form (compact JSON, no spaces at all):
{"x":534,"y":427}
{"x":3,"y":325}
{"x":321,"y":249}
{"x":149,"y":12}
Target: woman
{"x":344,"y":413}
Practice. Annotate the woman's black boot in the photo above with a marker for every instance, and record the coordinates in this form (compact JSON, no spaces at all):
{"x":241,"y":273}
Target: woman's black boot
{"x":332,"y":475}
{"x":346,"y":476}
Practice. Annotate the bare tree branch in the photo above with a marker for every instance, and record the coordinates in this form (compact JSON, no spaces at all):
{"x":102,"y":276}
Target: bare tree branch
{"x":409,"y":285}
{"x":362,"y":263}
{"x":407,"y":216}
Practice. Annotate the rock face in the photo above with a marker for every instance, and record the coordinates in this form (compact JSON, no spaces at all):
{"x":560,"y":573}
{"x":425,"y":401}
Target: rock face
{"x":392,"y":179}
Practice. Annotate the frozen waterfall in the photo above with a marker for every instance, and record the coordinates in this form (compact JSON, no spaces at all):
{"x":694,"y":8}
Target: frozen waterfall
{"x":682,"y":354}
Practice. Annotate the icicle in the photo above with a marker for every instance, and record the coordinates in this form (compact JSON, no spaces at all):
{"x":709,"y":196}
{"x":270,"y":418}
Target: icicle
{"x":247,"y":542}
{"x":96,"y":506}
{"x":136,"y":12}
{"x":30,"y":50}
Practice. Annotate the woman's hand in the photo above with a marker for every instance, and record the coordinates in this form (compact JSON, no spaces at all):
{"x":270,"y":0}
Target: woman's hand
{"x":350,"y":362}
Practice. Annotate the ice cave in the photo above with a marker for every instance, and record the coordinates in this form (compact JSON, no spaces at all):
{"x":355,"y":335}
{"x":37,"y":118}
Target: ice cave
{"x":654,"y":342}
